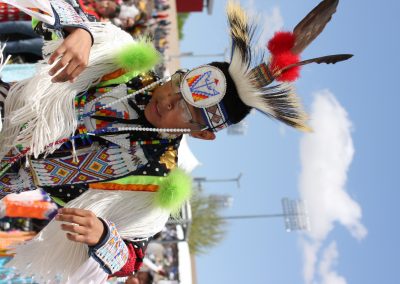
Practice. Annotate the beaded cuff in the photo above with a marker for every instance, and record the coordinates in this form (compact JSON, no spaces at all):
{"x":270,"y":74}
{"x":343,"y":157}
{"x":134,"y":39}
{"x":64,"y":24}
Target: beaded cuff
{"x":111,"y":252}
{"x":67,"y":16}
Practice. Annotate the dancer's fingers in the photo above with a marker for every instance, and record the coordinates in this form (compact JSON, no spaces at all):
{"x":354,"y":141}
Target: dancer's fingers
{"x":71,"y":219}
{"x":81,"y":230}
{"x":57,"y":53}
{"x":78,"y":70}
{"x":77,"y":238}
{"x":77,"y":212}
{"x":61,"y":64}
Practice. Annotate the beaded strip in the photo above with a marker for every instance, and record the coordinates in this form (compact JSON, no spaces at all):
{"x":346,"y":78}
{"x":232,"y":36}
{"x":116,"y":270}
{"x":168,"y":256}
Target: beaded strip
{"x":83,"y":134}
{"x":13,"y":160}
{"x":262,"y":72}
{"x":113,"y":253}
{"x":86,"y":135}
{"x":128,"y":96}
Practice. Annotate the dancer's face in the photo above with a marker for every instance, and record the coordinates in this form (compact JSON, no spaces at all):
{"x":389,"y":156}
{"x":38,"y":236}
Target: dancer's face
{"x":168,"y":109}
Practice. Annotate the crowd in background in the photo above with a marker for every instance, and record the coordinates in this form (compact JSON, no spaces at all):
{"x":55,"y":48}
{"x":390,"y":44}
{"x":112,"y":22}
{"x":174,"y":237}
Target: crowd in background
{"x":137,"y":17}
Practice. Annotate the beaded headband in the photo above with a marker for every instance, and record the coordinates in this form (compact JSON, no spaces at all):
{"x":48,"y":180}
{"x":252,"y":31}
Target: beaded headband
{"x":204,"y":87}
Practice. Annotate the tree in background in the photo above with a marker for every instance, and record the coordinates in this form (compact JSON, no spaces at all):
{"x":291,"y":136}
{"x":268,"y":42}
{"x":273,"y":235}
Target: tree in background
{"x":182,"y":17}
{"x":208,"y":228}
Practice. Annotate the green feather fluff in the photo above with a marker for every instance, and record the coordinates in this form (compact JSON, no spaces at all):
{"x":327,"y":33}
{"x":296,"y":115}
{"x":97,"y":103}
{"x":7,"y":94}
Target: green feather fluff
{"x":174,"y":190}
{"x":140,"y":56}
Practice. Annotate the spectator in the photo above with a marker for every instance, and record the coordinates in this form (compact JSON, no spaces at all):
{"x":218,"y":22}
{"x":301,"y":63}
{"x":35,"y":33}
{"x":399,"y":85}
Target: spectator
{"x":10,"y":13}
{"x":21,"y":39}
{"x":106,"y":9}
{"x":126,"y":16}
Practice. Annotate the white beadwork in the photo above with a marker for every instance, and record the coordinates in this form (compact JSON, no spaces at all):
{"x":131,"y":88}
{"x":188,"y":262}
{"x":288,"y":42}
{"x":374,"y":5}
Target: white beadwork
{"x":149,"y":129}
{"x":142,"y":90}
{"x":115,"y":91}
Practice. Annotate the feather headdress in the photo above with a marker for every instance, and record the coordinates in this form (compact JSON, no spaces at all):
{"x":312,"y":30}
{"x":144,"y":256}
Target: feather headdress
{"x":280,"y":101}
{"x":247,"y":79}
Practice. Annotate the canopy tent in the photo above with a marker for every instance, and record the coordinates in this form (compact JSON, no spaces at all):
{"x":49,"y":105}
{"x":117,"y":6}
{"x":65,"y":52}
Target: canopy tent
{"x":185,"y":267}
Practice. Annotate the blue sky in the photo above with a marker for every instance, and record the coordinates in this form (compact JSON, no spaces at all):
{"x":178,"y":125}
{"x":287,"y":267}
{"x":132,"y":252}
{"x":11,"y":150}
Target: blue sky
{"x":347,"y":170}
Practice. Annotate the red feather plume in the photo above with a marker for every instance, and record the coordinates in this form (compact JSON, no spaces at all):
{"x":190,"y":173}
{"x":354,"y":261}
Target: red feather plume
{"x":278,"y":62}
{"x":281,"y":42}
{"x":280,"y":47}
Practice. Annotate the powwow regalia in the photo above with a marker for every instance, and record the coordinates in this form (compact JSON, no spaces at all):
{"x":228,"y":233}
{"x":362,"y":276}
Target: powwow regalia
{"x":90,"y":143}
{"x":32,"y":204}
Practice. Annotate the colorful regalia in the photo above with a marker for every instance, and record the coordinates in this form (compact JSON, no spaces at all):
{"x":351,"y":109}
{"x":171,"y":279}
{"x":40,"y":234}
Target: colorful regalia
{"x":91,"y":158}
{"x":89,"y":143}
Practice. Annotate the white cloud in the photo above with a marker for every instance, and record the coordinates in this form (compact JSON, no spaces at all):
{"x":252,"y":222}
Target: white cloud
{"x":273,"y":21}
{"x":251,"y":8}
{"x":309,"y":259}
{"x":326,"y":266}
{"x":270,"y":21}
{"x":326,"y":155}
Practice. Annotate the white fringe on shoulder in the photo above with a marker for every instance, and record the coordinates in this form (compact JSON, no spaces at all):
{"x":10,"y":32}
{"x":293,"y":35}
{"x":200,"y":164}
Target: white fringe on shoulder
{"x":44,"y":110}
{"x":51,"y":255}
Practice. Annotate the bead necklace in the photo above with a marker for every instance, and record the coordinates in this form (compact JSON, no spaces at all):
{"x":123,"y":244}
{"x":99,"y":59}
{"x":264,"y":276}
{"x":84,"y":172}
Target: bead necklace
{"x":138,"y":128}
{"x":128,"y":96}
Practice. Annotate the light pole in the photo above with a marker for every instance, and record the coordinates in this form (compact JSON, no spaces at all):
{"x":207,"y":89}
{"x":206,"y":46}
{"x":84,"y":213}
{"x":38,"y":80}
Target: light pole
{"x":200,"y":180}
{"x":294,"y":214}
{"x":192,"y":55}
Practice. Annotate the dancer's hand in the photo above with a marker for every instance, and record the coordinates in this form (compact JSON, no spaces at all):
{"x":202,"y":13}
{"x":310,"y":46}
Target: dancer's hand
{"x":85,"y":227}
{"x":74,"y":53}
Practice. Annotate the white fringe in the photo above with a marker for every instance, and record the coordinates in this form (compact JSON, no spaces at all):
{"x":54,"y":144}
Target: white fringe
{"x":50,"y":253}
{"x":89,"y":273}
{"x":247,"y":93}
{"x":44,"y":110}
{"x":3,"y":62}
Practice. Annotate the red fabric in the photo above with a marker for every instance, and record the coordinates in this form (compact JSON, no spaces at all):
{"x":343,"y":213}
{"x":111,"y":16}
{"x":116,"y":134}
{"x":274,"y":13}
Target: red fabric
{"x":281,"y":42}
{"x":282,"y":60}
{"x":134,"y":262}
{"x":10,"y":13}
{"x":88,"y":7}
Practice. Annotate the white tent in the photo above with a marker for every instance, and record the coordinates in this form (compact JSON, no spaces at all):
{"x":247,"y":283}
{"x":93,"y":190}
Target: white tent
{"x":186,"y":159}
{"x":185,"y":266}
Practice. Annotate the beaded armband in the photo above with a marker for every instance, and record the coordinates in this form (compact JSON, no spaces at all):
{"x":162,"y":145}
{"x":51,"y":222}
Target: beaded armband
{"x":67,"y":16}
{"x":111,"y":253}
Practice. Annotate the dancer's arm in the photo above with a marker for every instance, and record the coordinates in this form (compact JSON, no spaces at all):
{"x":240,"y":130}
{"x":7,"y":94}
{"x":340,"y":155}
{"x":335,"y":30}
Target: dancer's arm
{"x":105,"y":244}
{"x":85,"y":227}
{"x":74,"y":51}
